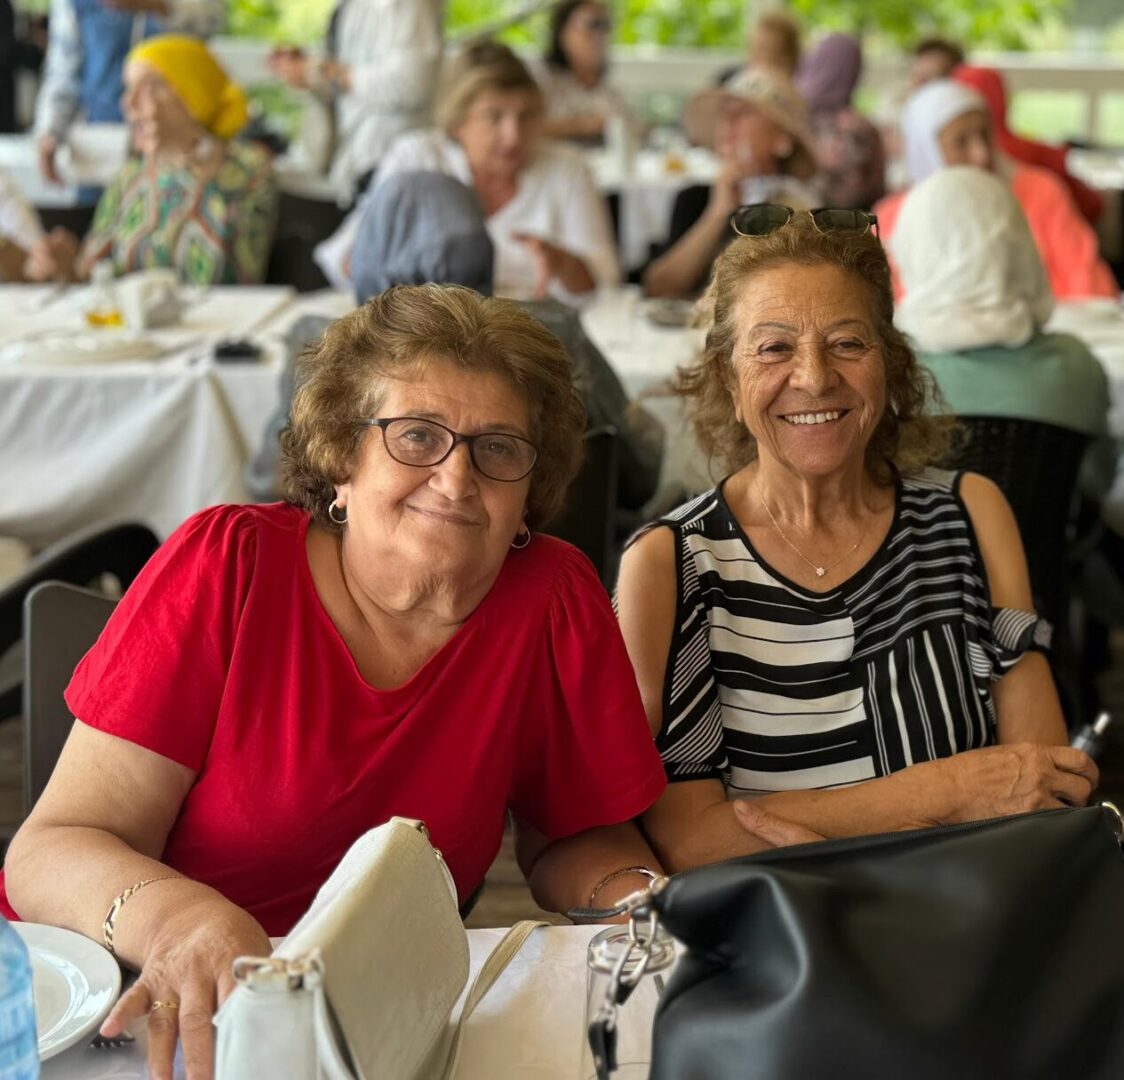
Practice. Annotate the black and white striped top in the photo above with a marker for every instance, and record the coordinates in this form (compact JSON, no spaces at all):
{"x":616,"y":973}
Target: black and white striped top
{"x":771,"y":687}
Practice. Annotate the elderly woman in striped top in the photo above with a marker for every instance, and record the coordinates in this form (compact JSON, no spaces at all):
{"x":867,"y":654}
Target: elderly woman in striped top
{"x":838,"y":634}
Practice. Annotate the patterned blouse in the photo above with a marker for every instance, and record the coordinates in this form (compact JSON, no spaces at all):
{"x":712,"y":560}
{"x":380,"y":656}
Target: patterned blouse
{"x":213,"y":232}
{"x":772,"y":687}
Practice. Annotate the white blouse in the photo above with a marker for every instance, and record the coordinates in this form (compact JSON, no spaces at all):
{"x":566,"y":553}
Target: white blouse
{"x":556,"y":200}
{"x":566,"y":98}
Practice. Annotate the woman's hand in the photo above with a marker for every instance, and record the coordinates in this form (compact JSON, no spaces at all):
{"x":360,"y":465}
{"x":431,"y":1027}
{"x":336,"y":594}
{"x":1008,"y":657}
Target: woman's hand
{"x":188,"y":964}
{"x":725,"y":192}
{"x":774,"y":831}
{"x":47,"y":149}
{"x":1015,"y":778}
{"x":53,"y":257}
{"x":555,"y":263}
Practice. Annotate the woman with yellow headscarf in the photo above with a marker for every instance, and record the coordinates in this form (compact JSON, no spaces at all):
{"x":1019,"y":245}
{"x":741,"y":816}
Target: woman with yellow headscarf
{"x":188,"y":197}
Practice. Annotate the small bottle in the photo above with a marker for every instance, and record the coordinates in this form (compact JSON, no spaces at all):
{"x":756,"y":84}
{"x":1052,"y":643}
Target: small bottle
{"x":19,"y":1054}
{"x":1090,"y":737}
{"x":102,"y":307}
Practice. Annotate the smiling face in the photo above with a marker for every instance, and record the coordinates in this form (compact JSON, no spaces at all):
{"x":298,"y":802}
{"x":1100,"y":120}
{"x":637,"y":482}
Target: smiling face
{"x":153,"y":110}
{"x":446,"y":519}
{"x":500,"y":132}
{"x":809,"y":370}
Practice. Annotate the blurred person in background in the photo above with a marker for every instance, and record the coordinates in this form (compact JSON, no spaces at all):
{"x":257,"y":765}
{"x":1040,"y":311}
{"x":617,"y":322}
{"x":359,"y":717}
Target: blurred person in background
{"x":380,"y":71}
{"x":976,"y":301}
{"x":989,"y":84}
{"x":765,"y":147}
{"x":933,"y":58}
{"x":574,"y":74}
{"x":191,"y":198}
{"x":946,"y":123}
{"x":848,"y":147}
{"x":20,"y":230}
{"x":548,"y":222}
{"x":773,"y":46}
{"x":86,"y":50}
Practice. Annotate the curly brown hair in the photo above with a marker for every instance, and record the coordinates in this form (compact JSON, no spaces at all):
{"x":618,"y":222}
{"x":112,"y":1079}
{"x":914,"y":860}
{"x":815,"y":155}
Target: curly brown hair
{"x":342,"y":379}
{"x":910,"y":434}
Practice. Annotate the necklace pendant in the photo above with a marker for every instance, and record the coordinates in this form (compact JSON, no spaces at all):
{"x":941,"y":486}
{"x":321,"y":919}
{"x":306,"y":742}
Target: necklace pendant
{"x":820,"y":571}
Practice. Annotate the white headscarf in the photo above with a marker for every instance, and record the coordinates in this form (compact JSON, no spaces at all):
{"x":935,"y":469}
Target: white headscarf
{"x":936,"y":104}
{"x":969,"y":265}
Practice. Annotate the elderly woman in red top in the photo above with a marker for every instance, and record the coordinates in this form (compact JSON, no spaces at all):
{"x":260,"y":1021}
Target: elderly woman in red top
{"x":393,"y":639}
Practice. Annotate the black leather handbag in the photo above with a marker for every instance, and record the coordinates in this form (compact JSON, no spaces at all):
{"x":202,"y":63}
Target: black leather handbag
{"x":986,"y":951}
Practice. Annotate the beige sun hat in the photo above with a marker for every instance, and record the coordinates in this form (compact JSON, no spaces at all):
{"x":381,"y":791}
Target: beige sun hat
{"x":775,"y":97}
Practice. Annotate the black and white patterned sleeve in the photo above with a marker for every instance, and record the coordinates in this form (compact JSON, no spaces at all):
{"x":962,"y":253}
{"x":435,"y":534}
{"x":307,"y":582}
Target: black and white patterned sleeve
{"x":690,"y":738}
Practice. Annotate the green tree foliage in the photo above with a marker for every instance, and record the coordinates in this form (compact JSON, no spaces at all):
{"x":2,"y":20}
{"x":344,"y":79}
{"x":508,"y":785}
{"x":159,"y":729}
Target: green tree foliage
{"x":701,"y":23}
{"x":997,"y":24}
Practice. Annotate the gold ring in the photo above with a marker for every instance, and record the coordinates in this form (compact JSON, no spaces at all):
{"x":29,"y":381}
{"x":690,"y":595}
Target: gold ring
{"x":164,"y":1005}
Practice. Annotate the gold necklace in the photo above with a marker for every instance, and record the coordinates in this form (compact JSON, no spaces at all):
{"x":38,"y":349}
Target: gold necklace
{"x":820,"y":570}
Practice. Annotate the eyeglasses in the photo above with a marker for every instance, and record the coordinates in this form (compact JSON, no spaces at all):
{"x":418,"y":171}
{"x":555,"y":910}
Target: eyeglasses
{"x":597,"y":24}
{"x":760,"y":219}
{"x":410,"y":440}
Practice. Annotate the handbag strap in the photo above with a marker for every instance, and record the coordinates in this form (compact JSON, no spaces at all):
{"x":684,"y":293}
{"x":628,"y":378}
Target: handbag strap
{"x":486,"y":977}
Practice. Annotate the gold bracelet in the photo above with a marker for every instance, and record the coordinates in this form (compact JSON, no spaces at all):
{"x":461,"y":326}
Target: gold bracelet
{"x":651,"y":875}
{"x":119,"y":903}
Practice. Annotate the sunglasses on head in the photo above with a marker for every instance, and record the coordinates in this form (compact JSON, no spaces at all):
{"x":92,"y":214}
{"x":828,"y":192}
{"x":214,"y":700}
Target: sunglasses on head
{"x":760,"y":219}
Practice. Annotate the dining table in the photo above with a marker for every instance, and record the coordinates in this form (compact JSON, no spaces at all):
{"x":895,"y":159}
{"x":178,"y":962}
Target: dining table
{"x":645,"y":354}
{"x":90,"y":437}
{"x":530,"y":1024}
{"x":646,"y":184}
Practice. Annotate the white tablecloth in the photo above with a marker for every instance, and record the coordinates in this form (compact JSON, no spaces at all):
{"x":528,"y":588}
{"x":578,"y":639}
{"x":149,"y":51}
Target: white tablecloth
{"x":150,"y":441}
{"x":647,"y":190}
{"x":645,"y":357}
{"x":529,"y":1025}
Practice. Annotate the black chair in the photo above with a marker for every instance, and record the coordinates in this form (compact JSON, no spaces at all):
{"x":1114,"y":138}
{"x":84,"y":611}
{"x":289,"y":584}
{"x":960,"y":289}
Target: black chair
{"x":301,"y":224}
{"x":587,"y":519}
{"x":75,"y":219}
{"x":119,"y":550}
{"x":1036,"y":465}
{"x":61,"y":622}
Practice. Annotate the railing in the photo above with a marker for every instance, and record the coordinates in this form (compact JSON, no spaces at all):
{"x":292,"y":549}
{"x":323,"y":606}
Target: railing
{"x":644,"y":73}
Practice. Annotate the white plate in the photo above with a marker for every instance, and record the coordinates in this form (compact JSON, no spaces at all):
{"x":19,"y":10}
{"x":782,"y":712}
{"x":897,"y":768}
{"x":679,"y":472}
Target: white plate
{"x":76,"y":983}
{"x":81,"y":347}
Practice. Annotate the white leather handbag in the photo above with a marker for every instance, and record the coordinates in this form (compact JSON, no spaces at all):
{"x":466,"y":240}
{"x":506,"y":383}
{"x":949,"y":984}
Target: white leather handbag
{"x":364,"y":986}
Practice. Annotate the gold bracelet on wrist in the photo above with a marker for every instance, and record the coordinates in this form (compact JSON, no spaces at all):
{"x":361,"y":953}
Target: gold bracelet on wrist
{"x":651,"y":875}
{"x":119,"y":902}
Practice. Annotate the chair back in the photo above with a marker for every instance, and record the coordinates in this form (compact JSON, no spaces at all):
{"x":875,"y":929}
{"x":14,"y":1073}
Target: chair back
{"x":302,"y":223}
{"x":1035,"y":465}
{"x":586,"y":520}
{"x":60,"y":623}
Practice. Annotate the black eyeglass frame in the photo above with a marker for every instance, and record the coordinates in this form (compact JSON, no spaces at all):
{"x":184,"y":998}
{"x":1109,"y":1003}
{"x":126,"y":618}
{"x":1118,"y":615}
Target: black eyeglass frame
{"x":867,"y":221}
{"x":384,"y":422}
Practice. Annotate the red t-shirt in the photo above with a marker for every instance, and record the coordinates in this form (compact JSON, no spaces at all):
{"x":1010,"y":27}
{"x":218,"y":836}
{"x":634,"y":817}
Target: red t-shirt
{"x":222,"y":657}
